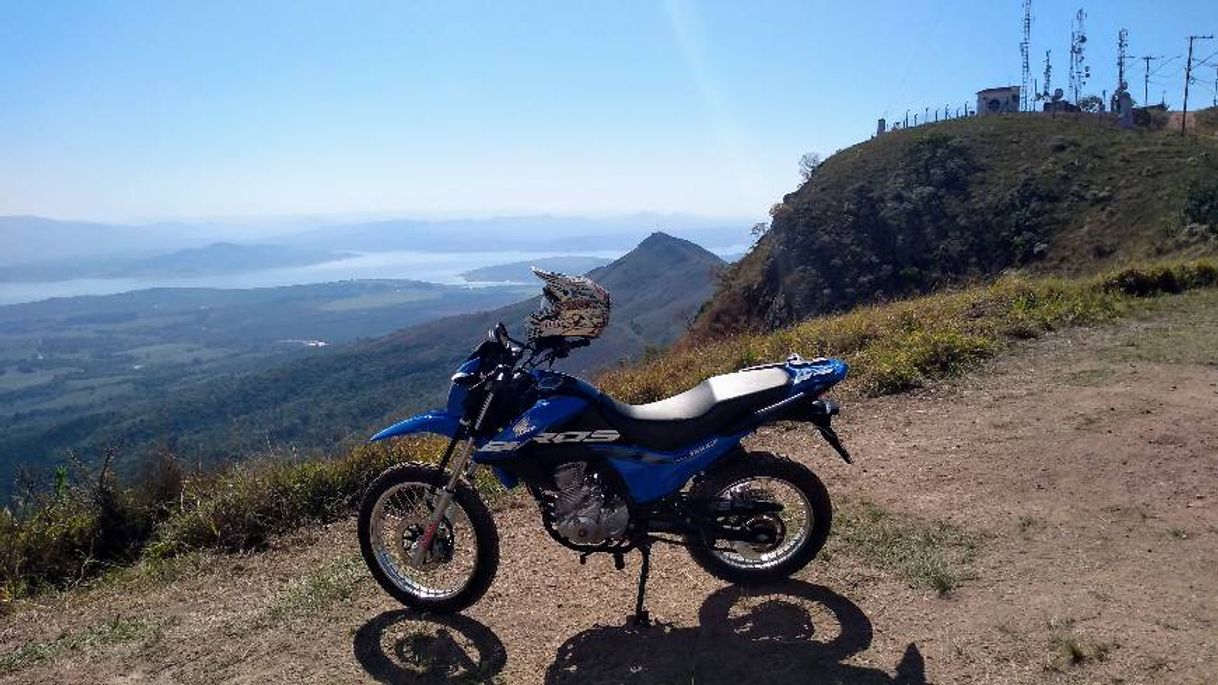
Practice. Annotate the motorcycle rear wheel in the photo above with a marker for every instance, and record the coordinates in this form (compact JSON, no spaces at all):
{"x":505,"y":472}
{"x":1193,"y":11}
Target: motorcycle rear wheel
{"x":802,"y":526}
{"x":464,"y":554}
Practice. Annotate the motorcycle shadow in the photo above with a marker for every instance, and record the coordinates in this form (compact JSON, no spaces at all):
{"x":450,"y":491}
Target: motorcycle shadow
{"x":794,"y":632}
{"x":405,"y":646}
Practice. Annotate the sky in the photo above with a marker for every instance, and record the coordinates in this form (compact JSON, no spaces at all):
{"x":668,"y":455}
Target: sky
{"x":138,"y":111}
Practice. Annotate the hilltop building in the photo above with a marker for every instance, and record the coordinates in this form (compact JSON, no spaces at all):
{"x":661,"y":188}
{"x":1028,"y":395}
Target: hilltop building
{"x":998,"y":100}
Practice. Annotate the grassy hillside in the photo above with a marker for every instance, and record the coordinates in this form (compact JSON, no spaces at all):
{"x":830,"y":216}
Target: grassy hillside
{"x":897,"y":346}
{"x":914,"y":210}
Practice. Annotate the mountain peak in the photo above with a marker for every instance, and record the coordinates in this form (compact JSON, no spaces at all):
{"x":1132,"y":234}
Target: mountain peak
{"x":658,"y":254}
{"x":659,"y":238}
{"x":660,"y":245}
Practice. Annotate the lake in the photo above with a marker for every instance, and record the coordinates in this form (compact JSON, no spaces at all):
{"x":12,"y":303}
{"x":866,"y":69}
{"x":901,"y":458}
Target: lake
{"x":436,"y":267}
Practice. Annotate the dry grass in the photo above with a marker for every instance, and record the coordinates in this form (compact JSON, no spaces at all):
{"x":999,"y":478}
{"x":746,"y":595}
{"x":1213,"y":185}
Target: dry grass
{"x":112,"y":632}
{"x":895,"y":347}
{"x":929,"y":554}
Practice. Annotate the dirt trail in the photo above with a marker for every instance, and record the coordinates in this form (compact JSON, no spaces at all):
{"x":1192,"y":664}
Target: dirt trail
{"x":1085,"y":463}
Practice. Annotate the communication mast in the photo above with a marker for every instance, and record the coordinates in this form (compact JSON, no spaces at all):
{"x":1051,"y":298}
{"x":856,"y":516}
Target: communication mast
{"x":1122,"y":46}
{"x":1024,"y":45}
{"x":1048,"y":76}
{"x":1079,"y":72}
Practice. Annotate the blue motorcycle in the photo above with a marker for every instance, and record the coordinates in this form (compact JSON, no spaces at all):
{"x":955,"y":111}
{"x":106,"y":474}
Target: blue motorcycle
{"x":608,"y":477}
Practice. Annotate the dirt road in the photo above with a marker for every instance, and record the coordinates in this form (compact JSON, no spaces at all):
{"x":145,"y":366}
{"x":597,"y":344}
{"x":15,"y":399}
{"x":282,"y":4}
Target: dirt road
{"x":1082,"y":466}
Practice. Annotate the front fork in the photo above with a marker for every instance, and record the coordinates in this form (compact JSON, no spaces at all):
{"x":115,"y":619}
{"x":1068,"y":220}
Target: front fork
{"x":462,"y":465}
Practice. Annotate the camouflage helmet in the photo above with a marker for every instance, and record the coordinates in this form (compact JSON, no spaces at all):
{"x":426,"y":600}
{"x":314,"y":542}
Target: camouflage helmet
{"x":571,"y":306}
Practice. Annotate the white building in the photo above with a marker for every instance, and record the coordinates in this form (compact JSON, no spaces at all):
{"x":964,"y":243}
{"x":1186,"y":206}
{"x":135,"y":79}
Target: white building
{"x":998,"y":100}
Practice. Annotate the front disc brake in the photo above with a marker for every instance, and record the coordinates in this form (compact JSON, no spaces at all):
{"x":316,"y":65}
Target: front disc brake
{"x":410,"y":532}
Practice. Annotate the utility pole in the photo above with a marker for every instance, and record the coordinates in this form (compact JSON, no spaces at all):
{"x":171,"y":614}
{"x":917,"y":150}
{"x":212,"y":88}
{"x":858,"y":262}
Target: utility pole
{"x":1188,"y":76}
{"x":1146,"y":78}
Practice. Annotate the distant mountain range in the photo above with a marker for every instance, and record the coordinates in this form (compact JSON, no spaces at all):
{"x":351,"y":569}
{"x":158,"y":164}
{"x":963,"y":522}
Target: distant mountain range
{"x":25,"y":239}
{"x":523,"y":233}
{"x":339,"y":394}
{"x":217,"y":258}
{"x":32,"y":239}
{"x":521,"y":272}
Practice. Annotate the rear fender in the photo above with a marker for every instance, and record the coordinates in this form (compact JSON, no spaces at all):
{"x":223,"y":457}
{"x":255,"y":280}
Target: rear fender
{"x":437,"y":422}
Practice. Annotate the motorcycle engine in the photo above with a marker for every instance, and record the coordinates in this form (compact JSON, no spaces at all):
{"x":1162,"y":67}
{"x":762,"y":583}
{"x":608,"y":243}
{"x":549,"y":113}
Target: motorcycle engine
{"x":584,"y":513}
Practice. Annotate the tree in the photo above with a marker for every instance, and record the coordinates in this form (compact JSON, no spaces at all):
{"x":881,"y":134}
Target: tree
{"x":808,"y":164}
{"x":759,"y":229}
{"x":1091,"y":103}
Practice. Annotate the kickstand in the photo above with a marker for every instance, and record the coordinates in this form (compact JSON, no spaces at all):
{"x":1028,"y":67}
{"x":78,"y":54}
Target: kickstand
{"x":642,"y":618}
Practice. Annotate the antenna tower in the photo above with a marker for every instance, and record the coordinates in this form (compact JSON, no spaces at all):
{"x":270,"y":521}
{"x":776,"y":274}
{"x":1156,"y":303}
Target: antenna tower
{"x":1122,"y":46}
{"x":1048,"y":92}
{"x":1079,"y":72}
{"x":1024,"y":45}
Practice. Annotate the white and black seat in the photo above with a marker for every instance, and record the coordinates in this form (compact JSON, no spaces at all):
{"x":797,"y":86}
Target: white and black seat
{"x":700,"y":412}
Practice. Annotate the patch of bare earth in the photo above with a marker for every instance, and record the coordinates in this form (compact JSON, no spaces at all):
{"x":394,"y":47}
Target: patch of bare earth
{"x":1084,"y":465}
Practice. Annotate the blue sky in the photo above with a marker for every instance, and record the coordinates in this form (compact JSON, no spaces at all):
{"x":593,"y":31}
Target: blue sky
{"x":139,"y":110}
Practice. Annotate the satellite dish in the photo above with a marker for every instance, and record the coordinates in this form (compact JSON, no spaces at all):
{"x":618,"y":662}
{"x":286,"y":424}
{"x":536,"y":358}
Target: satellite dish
{"x":1058,"y":93}
{"x":1082,"y":39}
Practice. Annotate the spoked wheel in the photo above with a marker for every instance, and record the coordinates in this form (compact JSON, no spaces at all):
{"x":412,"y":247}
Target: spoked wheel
{"x":781,"y":542}
{"x":464,"y":554}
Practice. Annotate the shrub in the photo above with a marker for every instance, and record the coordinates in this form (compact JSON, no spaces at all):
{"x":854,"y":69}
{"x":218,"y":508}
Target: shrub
{"x":73,"y":532}
{"x":1201,"y":204}
{"x":242,"y":507}
{"x":56,"y":540}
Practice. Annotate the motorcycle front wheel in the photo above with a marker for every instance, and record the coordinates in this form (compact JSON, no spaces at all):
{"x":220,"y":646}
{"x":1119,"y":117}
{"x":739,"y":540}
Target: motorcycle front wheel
{"x":464,"y":553}
{"x":794,"y":534}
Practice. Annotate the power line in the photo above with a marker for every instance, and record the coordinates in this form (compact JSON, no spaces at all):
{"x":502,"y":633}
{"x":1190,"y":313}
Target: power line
{"x":1188,"y":75}
{"x":1207,"y":59}
{"x":1164,"y":64}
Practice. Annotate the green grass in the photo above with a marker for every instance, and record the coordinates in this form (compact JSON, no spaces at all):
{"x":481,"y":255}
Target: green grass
{"x":927,"y":554}
{"x":116,"y":631}
{"x":321,"y":588}
{"x":245,"y":505}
